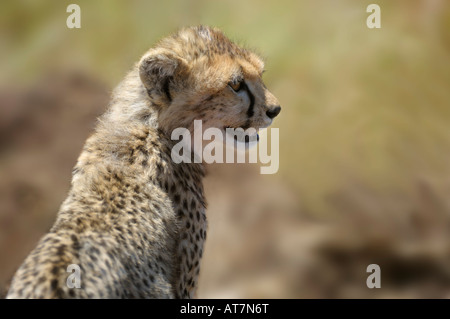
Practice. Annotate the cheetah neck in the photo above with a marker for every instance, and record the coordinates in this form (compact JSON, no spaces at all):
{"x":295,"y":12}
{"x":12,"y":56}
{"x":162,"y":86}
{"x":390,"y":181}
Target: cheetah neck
{"x":131,"y":147}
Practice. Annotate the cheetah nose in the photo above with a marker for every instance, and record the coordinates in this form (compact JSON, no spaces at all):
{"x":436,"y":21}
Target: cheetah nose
{"x":271,"y":113}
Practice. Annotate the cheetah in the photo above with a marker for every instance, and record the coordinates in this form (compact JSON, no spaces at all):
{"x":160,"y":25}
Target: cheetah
{"x":134,"y":221}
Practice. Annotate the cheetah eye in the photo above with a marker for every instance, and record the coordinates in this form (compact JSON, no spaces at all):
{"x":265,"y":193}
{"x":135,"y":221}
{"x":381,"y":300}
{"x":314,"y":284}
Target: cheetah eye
{"x":236,"y":86}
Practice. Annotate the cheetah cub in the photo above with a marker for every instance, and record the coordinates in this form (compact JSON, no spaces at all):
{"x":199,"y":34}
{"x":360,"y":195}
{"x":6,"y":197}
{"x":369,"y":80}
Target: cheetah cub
{"x":134,"y":221}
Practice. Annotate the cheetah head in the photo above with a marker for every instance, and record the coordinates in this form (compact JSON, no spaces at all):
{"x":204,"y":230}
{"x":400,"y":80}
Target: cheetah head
{"x":199,"y":74}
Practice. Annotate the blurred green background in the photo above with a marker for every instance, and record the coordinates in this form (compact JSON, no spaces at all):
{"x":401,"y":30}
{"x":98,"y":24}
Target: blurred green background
{"x":364,"y":138}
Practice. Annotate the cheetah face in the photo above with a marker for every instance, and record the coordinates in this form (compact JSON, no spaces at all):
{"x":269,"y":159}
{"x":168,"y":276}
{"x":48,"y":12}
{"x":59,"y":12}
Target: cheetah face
{"x":244,"y":103}
{"x":199,"y":74}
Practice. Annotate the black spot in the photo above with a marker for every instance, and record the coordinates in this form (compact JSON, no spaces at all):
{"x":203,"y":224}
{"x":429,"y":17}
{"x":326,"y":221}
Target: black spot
{"x":119,"y":179}
{"x":142,"y":137}
{"x":193,"y":204}
{"x":111,"y":255}
{"x":60,"y":250}
{"x":54,"y":270}
{"x":54,"y":284}
{"x":142,"y":150}
{"x":75,"y":243}
{"x":176,"y":198}
{"x":120,"y":206}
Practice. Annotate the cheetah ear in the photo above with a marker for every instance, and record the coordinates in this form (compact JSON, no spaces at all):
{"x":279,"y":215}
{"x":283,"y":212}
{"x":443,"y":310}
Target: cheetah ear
{"x":159,"y":70}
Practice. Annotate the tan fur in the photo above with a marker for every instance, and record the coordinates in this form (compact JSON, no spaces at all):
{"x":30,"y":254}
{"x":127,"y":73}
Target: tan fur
{"x":134,"y":221}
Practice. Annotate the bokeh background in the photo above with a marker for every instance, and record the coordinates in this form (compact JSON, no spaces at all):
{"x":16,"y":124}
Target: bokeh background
{"x":364,"y":172}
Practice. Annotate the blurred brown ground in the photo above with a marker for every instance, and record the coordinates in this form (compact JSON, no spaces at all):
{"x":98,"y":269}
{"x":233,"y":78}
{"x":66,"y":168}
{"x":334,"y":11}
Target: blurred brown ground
{"x":364,"y":139}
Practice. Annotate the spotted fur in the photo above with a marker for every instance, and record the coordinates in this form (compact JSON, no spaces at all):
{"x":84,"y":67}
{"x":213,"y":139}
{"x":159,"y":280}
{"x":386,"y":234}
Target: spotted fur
{"x":134,"y":221}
